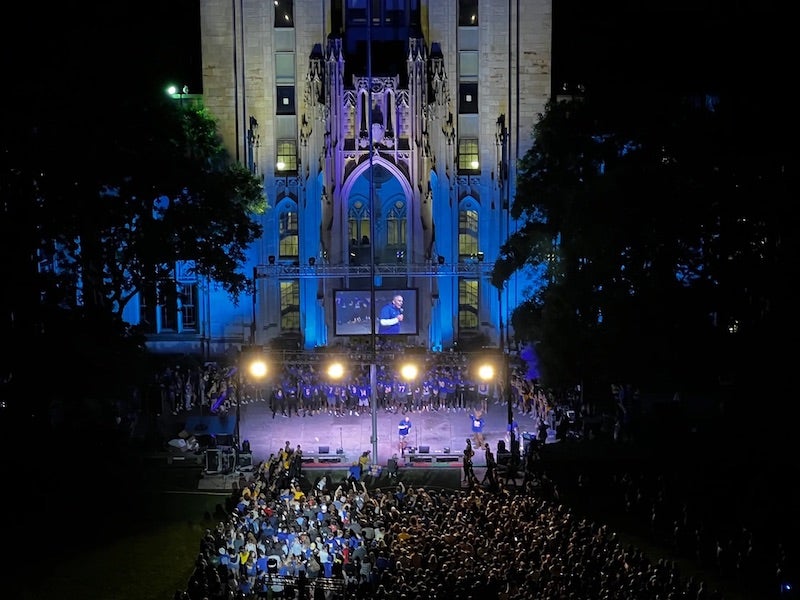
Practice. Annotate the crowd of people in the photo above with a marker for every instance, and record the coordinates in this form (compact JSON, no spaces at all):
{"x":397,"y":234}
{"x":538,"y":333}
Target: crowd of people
{"x":301,"y":388}
{"x":491,"y":538}
{"x":343,"y":540}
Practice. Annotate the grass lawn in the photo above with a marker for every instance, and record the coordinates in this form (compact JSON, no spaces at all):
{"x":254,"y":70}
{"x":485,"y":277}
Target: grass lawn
{"x":131,"y":541}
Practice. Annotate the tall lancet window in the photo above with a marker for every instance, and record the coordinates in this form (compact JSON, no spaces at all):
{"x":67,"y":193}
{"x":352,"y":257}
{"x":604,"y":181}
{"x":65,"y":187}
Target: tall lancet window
{"x":467,"y":233}
{"x":288,"y":237}
{"x":358,"y":223}
{"x":396,"y":224}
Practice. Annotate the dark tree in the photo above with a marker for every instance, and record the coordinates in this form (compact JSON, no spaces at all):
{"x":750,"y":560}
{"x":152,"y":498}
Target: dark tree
{"x":660,"y":226}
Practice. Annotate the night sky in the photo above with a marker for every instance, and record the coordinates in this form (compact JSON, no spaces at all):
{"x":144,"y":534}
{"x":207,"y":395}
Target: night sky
{"x":692,"y":45}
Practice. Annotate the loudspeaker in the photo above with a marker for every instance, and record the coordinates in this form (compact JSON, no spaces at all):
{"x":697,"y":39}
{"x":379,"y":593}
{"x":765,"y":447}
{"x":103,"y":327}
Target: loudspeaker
{"x":424,"y":449}
{"x":212,"y":460}
{"x":324,"y":449}
{"x":246,"y":461}
{"x":224,"y":439}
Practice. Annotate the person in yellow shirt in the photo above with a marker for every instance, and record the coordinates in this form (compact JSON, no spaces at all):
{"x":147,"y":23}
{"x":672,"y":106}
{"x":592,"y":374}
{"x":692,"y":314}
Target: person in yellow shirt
{"x":363,"y":462}
{"x":244,"y":555}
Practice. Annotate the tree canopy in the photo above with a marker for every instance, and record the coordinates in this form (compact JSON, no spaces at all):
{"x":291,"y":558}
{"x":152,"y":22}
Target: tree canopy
{"x":108,"y":194}
{"x":662,"y":226}
{"x":152,"y":186}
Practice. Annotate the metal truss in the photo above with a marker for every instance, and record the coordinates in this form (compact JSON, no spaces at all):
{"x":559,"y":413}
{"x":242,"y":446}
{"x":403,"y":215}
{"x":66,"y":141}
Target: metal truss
{"x":325,"y":583}
{"x":472,"y":268}
{"x":366,"y":356}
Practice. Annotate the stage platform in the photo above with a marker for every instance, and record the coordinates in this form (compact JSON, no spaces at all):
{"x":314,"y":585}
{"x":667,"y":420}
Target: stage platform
{"x":442,"y":434}
{"x":333,"y":443}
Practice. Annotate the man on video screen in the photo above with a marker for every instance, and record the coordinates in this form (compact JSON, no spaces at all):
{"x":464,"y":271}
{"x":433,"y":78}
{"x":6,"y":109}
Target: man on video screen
{"x":391,"y":316}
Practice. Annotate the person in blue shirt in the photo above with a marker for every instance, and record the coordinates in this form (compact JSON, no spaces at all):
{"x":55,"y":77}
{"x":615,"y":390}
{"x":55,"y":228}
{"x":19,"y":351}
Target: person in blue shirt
{"x":403,"y":429}
{"x":391,"y":316}
{"x":478,"y":423}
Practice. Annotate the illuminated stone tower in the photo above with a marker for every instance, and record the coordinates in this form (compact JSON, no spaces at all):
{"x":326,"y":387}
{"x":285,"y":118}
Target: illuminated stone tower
{"x":387,"y":138}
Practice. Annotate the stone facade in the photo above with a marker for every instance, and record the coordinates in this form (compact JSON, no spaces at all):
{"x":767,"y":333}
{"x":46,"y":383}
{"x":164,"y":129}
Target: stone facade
{"x":383,"y":143}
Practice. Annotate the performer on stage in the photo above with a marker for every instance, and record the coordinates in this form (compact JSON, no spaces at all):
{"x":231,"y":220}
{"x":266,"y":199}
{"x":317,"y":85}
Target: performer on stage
{"x":478,"y":422}
{"x":403,"y":430}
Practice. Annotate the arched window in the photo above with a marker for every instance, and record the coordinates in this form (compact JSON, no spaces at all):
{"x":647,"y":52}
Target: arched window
{"x":358,"y":221}
{"x":468,"y":304}
{"x":288,"y":238}
{"x":467,"y":231}
{"x":396,"y":224}
{"x":290,"y":305}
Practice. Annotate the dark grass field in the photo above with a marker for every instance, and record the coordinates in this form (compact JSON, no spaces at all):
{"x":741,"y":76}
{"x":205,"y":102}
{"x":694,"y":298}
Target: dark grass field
{"x":130,"y":531}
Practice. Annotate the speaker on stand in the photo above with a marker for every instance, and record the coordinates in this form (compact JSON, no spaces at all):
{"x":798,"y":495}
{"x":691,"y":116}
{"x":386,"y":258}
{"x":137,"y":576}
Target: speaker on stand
{"x":213,"y":460}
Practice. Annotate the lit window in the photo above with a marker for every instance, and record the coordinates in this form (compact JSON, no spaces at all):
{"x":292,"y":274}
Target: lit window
{"x":287,"y":157}
{"x":358,"y":223}
{"x":468,"y":304}
{"x":468,"y":159}
{"x":288,"y":242}
{"x":467,"y":233}
{"x":290,"y":305}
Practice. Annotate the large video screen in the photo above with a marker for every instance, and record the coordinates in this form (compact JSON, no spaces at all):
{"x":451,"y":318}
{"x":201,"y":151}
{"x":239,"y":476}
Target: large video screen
{"x":395,"y":312}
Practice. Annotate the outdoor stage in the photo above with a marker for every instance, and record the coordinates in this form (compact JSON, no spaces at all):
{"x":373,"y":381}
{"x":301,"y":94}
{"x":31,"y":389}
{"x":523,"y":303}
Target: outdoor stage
{"x":436,"y":438}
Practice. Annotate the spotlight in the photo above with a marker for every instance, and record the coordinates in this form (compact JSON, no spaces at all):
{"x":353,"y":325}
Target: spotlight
{"x":401,"y":255}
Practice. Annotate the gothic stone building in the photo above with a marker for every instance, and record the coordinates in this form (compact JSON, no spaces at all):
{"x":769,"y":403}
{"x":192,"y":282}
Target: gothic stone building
{"x":387,"y":135}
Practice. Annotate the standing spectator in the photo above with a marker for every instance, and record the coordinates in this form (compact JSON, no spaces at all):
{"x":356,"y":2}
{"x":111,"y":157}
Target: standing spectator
{"x":469,"y":452}
{"x":296,"y":464}
{"x":363,"y":463}
{"x":541,"y":431}
{"x":512,"y":434}
{"x":491,"y":467}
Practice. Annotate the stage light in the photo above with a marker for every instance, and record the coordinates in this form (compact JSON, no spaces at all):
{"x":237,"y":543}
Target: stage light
{"x":272,"y":259}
